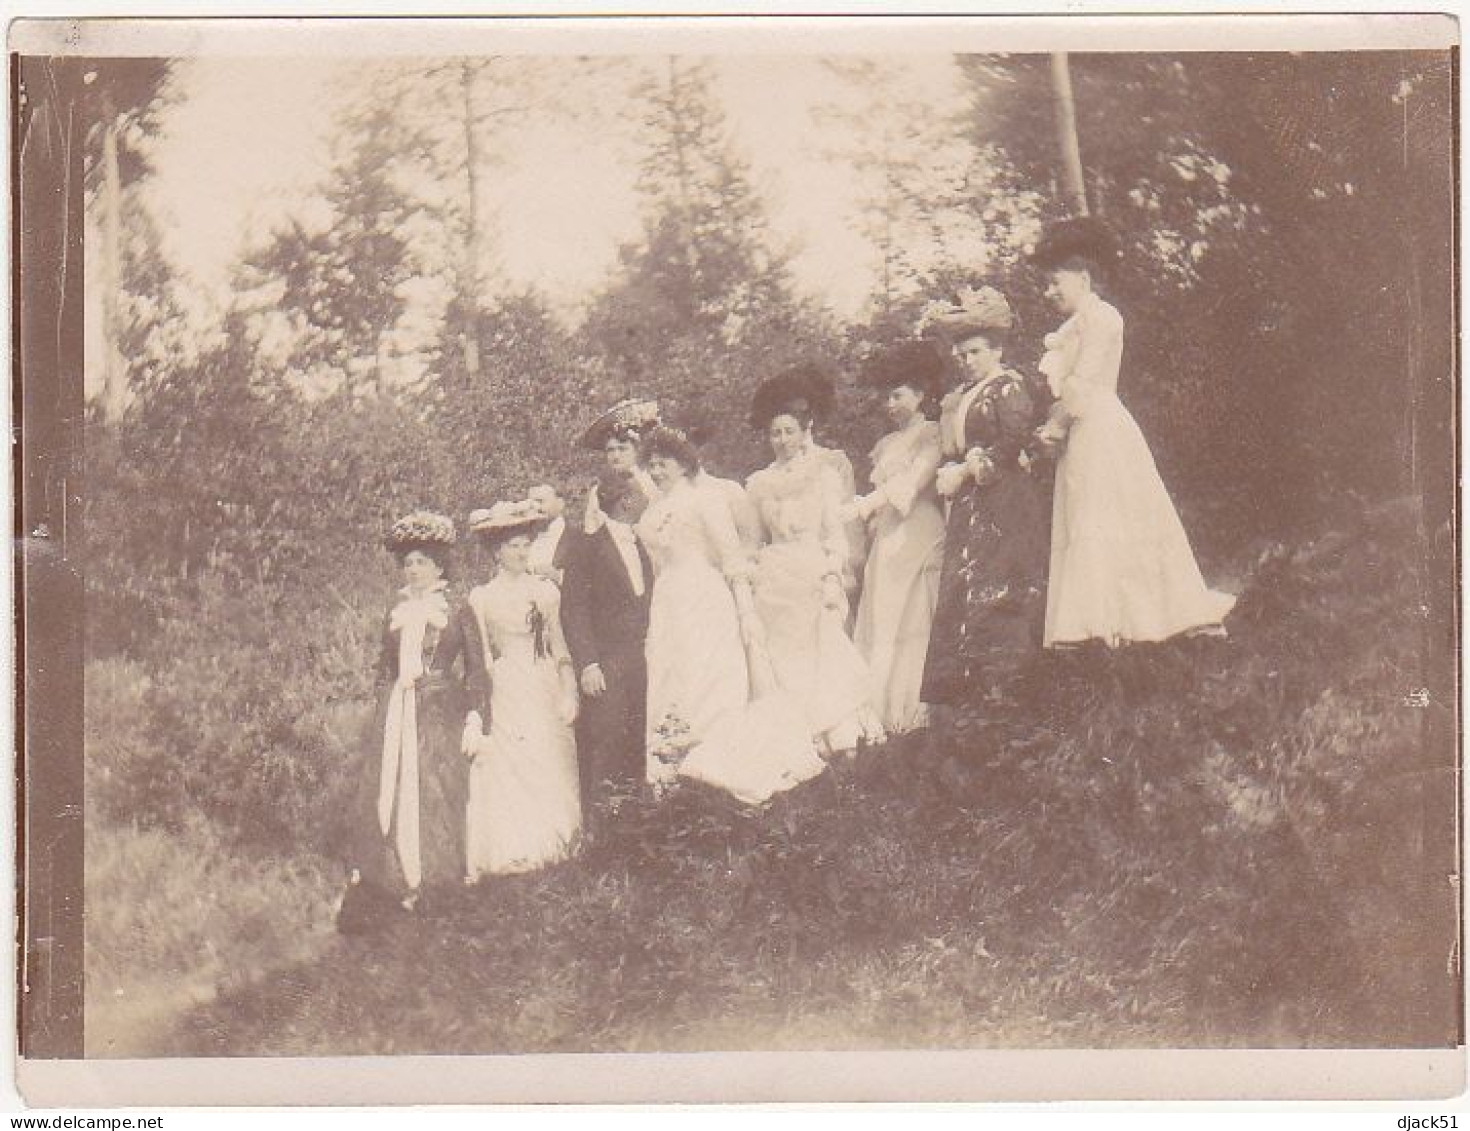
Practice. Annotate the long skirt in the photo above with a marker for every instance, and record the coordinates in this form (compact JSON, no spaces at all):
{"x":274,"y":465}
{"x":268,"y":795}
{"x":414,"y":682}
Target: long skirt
{"x":746,"y":737}
{"x":1121,"y":565}
{"x":896,"y":615}
{"x":438,"y":783}
{"x":696,"y":661}
{"x":989,"y":615}
{"x":525,"y":808}
{"x":811,"y":656}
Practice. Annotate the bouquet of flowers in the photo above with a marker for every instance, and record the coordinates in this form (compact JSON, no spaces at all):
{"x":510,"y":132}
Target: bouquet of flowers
{"x":671,"y":739}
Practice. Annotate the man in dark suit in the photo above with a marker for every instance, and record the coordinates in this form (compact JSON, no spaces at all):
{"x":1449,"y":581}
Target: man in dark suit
{"x":606,"y":586}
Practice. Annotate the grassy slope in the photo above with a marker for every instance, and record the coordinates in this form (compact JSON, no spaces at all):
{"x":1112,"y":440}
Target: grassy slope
{"x":1201,"y":843}
{"x":173,"y":918}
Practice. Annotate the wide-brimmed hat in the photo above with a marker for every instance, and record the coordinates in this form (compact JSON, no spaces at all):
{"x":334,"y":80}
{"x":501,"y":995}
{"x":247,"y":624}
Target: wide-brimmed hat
{"x":628,"y":419}
{"x":975,"y":310}
{"x":803,"y":389}
{"x":1080,"y":237}
{"x":420,"y":530}
{"x":503,"y":519}
{"x":916,"y":362}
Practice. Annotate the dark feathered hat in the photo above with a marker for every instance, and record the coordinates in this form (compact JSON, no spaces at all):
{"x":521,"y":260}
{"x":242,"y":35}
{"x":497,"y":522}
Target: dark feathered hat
{"x":916,"y":362}
{"x":801,"y":389}
{"x":1080,"y":237}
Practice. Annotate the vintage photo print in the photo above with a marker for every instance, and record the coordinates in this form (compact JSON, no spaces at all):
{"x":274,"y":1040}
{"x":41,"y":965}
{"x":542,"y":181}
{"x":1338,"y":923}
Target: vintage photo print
{"x":917,"y":556}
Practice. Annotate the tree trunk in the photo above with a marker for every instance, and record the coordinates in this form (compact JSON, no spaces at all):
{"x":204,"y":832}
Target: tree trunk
{"x":114,"y":365}
{"x":1066,"y":113}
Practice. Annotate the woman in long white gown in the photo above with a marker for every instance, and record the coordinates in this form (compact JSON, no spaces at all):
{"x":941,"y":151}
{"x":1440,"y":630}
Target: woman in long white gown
{"x":798,"y":576}
{"x":812,"y":386}
{"x":524,"y":807}
{"x":701,"y":620}
{"x":901,"y":576}
{"x":1121,"y":565}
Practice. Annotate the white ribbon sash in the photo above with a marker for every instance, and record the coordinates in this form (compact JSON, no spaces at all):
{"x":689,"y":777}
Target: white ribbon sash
{"x":398,"y":779}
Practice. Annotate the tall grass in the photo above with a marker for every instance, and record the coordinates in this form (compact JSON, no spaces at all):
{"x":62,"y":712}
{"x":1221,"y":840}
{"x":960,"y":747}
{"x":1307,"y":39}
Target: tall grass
{"x":1200,"y":843}
{"x":175,"y":918}
{"x":175,"y":915}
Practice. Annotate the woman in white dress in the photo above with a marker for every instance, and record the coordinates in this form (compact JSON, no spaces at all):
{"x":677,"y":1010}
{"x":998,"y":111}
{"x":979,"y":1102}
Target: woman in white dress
{"x":524,"y":807}
{"x":1121,"y":565}
{"x":701,"y":620}
{"x":810,"y":385}
{"x":797,"y":580}
{"x":901,"y":577}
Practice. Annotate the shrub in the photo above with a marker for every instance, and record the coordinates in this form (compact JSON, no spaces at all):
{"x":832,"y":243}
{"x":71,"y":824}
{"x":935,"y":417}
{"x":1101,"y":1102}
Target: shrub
{"x":254,"y":713}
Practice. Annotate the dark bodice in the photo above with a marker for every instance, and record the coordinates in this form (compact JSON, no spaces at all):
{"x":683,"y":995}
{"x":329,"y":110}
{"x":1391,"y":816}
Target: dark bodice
{"x":455,"y":677}
{"x":1000,"y":418}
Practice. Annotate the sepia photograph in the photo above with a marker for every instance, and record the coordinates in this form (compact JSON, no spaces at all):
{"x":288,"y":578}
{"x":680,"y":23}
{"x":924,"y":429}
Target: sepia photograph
{"x":731,"y":545}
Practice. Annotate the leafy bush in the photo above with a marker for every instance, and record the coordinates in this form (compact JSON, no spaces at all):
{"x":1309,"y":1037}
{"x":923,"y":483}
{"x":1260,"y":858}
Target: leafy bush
{"x":1200,"y":843}
{"x":250,"y":713}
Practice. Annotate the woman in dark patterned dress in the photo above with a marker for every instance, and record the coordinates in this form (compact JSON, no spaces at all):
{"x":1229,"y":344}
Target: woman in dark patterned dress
{"x":992,"y":586}
{"x":433,"y":691}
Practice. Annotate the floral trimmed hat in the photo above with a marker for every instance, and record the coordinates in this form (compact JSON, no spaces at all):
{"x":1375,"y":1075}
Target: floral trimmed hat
{"x":421,"y":530}
{"x":629,"y":419}
{"x":506,"y":518}
{"x":976,"y":310}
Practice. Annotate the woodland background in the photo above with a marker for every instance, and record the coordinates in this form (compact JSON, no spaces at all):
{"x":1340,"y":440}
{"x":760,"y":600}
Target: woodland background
{"x":1171,"y":846}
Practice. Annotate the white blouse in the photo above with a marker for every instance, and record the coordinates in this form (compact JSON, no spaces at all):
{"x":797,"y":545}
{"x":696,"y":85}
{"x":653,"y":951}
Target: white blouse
{"x":1084,"y":355}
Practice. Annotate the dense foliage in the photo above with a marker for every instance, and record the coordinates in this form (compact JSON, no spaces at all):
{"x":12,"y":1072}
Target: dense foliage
{"x":1287,"y":221}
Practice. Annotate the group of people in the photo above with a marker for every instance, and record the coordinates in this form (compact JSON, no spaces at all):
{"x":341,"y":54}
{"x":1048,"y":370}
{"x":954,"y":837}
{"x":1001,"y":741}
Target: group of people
{"x":684,"y":627}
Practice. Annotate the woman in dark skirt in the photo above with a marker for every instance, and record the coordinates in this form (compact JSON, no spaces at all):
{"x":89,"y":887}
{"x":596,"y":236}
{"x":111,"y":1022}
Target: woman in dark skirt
{"x":992,"y":586}
{"x":432,"y":690}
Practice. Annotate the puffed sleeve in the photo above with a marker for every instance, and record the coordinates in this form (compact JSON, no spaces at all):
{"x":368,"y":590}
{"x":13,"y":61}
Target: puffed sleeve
{"x":755,"y":493}
{"x":549,"y":598}
{"x":948,"y":407}
{"x":846,"y":477}
{"x":1099,"y":356}
{"x":713,"y":511}
{"x":1015,"y":419}
{"x":476,"y":671}
{"x":743,"y":512}
{"x":901,"y":487}
{"x":835,"y":545}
